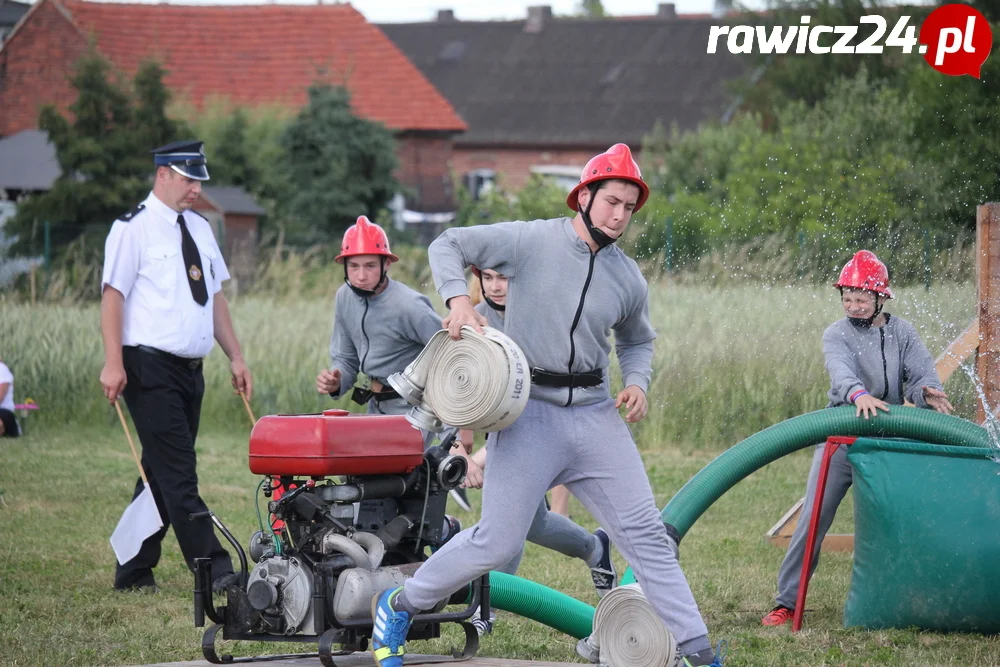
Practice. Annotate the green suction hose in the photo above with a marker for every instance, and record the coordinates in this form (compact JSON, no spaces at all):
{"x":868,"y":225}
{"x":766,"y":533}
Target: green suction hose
{"x":800,"y":432}
{"x":541,"y":603}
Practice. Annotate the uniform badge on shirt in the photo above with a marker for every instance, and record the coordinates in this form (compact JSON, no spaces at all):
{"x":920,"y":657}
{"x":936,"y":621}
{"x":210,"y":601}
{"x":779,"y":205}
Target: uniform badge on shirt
{"x":194,"y":273}
{"x":211,"y":268}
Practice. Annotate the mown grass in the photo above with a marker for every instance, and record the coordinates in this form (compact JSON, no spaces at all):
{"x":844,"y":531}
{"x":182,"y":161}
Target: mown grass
{"x":64,"y":489}
{"x":729,"y":362}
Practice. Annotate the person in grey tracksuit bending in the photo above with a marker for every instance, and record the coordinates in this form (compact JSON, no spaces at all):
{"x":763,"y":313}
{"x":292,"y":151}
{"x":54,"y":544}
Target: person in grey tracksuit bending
{"x":569,"y":288}
{"x":874,"y":360}
{"x":548,"y":529}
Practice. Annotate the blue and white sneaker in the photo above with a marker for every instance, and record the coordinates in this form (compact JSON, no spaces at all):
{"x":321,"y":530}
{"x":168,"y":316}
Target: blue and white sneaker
{"x":721,"y":649}
{"x":603,"y":574}
{"x":391,"y":627}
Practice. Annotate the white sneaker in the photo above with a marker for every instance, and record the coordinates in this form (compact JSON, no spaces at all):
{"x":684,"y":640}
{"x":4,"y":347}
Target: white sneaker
{"x":483,"y":627}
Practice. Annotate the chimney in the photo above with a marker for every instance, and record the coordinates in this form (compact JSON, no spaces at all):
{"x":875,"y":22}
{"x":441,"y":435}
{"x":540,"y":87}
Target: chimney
{"x":538,"y":16}
{"x":445,"y":15}
{"x":666,"y":10}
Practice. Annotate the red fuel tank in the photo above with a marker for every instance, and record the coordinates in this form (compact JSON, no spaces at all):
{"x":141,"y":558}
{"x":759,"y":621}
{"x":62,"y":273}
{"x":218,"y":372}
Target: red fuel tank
{"x":334,"y":443}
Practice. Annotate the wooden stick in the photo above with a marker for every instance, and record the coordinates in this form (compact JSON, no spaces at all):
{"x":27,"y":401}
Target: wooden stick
{"x":246,"y":403}
{"x":138,"y":462}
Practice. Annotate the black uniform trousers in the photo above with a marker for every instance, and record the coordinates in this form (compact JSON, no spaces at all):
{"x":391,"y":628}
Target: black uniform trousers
{"x":164,"y":395}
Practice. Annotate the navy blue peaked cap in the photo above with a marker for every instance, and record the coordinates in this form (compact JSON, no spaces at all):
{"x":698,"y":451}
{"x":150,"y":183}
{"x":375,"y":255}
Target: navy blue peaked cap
{"x":185,"y":157}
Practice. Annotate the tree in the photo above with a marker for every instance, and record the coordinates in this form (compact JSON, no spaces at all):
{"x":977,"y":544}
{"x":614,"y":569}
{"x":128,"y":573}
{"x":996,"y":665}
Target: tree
{"x":338,"y":166}
{"x":958,"y":126}
{"x":592,"y":9}
{"x":231,"y":163}
{"x":103,"y":153}
{"x":809,"y":76}
{"x":845,"y":173}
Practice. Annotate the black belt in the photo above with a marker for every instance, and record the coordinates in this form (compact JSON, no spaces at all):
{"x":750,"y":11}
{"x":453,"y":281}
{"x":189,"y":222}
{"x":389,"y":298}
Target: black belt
{"x":544,"y":378}
{"x":361,"y":395}
{"x":173,"y":358}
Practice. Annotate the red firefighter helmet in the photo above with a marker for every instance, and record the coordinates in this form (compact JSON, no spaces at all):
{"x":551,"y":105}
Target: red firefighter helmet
{"x":616,"y":163}
{"x":865,"y":271}
{"x":364,"y":238}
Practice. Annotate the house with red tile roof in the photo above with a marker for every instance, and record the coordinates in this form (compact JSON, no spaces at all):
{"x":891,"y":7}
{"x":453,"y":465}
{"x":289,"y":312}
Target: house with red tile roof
{"x":249,"y":54}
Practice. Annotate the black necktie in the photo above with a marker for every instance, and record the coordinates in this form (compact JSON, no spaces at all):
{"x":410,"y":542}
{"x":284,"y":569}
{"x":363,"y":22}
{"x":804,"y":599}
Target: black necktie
{"x":192,"y":264}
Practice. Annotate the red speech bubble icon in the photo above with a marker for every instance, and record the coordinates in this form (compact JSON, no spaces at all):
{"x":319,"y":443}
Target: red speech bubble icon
{"x":956,"y":39}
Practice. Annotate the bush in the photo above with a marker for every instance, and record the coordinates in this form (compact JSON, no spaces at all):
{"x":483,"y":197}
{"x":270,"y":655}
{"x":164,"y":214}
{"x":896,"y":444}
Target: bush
{"x":842,"y":175}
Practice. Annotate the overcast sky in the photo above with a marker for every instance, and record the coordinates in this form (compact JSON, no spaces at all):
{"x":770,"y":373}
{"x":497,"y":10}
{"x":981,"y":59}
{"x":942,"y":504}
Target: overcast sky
{"x":398,"y":11}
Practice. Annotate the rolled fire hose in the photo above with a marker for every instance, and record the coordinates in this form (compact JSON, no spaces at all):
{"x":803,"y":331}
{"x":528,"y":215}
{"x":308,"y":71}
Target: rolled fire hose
{"x":480,"y":382}
{"x":628,"y":633}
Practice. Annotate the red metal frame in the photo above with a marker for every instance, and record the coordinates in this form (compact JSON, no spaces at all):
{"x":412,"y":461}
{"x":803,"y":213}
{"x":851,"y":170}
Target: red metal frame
{"x":832,"y":443}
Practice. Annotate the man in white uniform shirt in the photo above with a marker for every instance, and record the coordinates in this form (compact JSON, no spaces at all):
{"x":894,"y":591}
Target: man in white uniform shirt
{"x":162,"y":308}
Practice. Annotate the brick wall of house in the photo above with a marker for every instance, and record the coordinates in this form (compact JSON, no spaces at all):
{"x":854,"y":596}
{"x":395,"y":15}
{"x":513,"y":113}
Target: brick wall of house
{"x":35,"y":64}
{"x":513,"y":165}
{"x":425,"y":169}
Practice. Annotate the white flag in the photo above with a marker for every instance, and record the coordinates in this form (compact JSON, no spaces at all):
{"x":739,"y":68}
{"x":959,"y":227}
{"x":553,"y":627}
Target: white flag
{"x":140,"y":520}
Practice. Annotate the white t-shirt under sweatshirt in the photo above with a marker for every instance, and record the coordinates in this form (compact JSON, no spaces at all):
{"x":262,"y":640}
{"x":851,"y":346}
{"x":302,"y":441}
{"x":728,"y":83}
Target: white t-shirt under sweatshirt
{"x":6,"y":377}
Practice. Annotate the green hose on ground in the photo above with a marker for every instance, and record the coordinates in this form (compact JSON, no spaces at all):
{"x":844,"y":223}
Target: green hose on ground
{"x":767,"y":446}
{"x":541,"y":603}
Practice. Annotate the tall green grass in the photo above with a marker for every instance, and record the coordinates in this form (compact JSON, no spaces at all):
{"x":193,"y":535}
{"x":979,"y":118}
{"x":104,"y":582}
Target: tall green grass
{"x":729,"y":361}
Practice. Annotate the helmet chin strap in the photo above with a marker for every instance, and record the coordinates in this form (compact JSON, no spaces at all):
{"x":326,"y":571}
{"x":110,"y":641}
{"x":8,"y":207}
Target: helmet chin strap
{"x":600,"y":238}
{"x":366,"y":293}
{"x":493,"y":304}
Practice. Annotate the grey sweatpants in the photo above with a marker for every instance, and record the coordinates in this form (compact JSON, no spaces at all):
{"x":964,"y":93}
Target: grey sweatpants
{"x":589,"y":449}
{"x":556,"y":532}
{"x":548,"y":529}
{"x":837,"y":483}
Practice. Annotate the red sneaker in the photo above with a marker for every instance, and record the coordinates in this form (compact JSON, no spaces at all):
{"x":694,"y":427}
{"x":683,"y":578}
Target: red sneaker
{"x":778,"y":616}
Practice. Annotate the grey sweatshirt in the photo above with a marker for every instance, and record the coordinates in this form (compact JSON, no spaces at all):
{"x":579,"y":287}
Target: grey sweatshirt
{"x":381,"y":335}
{"x":854,"y":358}
{"x":551,"y":273}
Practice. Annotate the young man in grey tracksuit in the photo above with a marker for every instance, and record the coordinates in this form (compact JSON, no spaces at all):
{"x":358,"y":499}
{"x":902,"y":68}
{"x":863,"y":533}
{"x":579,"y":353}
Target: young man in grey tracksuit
{"x":548,"y":529}
{"x":380,"y":325}
{"x":874,"y":360}
{"x":569,"y":286}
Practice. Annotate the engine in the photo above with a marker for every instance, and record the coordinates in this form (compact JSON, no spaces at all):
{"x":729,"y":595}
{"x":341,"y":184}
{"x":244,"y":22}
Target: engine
{"x":355,"y":505}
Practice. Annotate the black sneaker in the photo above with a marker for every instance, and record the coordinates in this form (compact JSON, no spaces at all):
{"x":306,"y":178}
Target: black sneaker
{"x":462,"y":500}
{"x":603,"y":574}
{"x":454,"y":528}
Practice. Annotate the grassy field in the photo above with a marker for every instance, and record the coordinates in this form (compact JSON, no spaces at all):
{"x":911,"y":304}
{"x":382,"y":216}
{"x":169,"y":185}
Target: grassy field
{"x":63,"y":491}
{"x":729,"y":362}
